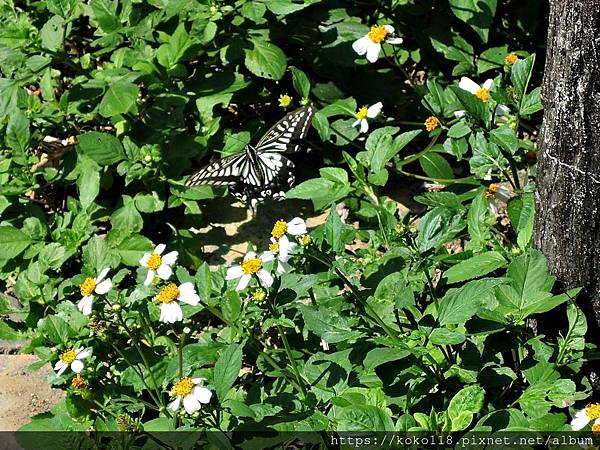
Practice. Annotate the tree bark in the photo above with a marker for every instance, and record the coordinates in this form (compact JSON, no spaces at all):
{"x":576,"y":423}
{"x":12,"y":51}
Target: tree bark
{"x":567,"y":228}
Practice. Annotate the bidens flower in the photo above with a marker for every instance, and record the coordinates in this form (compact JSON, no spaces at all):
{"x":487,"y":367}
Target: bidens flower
{"x":481,"y":92}
{"x":92,"y":286}
{"x":370,"y":44}
{"x":366,"y":112}
{"x":158,"y":264}
{"x":170,"y":311}
{"x":285,"y":100}
{"x":511,"y":58}
{"x":251,"y":265}
{"x":295,"y":227}
{"x":193,"y":394}
{"x":432,"y":123}
{"x":583,"y":417}
{"x":72,"y":358}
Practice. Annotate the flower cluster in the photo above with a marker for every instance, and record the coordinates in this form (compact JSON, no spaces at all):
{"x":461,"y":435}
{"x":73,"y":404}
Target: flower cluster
{"x":280,"y":249}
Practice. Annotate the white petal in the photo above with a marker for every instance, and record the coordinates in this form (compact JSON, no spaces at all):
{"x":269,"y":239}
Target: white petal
{"x":234,"y":272}
{"x":170,"y":258}
{"x":374,"y":110}
{"x":244,"y":280}
{"x":373,"y":51}
{"x":149,"y":277}
{"x":174,"y":405}
{"x":394,"y":41}
{"x":102,"y":275}
{"x":159,"y":249}
{"x":389,"y":29}
{"x":202,"y":394}
{"x":164,"y":272}
{"x":356,"y":122}
{"x":296,"y":226}
{"x":81,"y":354}
{"x":364,"y":126}
{"x":198,"y":380}
{"x":284,"y":248}
{"x":283,"y":267}
{"x":191,"y":404}
{"x":77,"y":366}
{"x":59,"y":365}
{"x":104,"y":287}
{"x":144,"y":259}
{"x":85,"y":305}
{"x":187,"y":294}
{"x":460,"y":113}
{"x":361,"y":45}
{"x":265,"y":277}
{"x":468,"y":85}
{"x":170,"y":312}
{"x":580,"y":421}
{"x":488,"y":83}
{"x":488,"y":175}
{"x":267,"y":256}
{"x":61,"y":369}
{"x":249,"y":255}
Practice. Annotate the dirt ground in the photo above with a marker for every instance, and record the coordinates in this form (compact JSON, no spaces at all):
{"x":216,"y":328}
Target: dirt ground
{"x":23,"y":393}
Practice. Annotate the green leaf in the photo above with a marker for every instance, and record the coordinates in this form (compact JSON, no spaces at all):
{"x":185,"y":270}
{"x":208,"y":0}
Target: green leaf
{"x":320,"y":191}
{"x":477,"y":222}
{"x":475,"y":267}
{"x":173,"y":52}
{"x":88,"y":182}
{"x":127,"y":219}
{"x":439,"y":226}
{"x":301,"y":82}
{"x":466,"y":403}
{"x":492,"y":58}
{"x":479,"y":14}
{"x":506,"y":138}
{"x":55,"y":329}
{"x":12,"y":242}
{"x":17,"y":132}
{"x":473,"y":105}
{"x":105,"y":13}
{"x":460,"y":304}
{"x":364,"y":418}
{"x":336,"y":232}
{"x":329,"y":325}
{"x":521,"y":212}
{"x":436,"y":166}
{"x":103,"y":148}
{"x":132,"y":248}
{"x":443,"y":336}
{"x":61,"y":8}
{"x":285,"y":7}
{"x":227,"y":369}
{"x":97,"y":256}
{"x":266,"y":60}
{"x":52,"y":33}
{"x":119,"y":98}
{"x":486,"y":156}
{"x":521,"y":74}
{"x":531,"y":102}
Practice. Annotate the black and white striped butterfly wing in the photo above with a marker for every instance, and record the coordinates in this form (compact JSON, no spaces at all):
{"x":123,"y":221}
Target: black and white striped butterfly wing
{"x":276,"y":172}
{"x":283,"y":137}
{"x":224,"y":172}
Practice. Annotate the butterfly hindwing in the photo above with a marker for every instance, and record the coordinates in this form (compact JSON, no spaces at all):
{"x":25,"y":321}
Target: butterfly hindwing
{"x":224,"y":172}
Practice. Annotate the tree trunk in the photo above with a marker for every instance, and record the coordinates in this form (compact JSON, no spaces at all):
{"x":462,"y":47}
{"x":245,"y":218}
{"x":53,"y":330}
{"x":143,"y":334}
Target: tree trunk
{"x":567,"y":226}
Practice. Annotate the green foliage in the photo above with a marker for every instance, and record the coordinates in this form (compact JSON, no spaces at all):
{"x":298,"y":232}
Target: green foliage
{"x":383,"y":318}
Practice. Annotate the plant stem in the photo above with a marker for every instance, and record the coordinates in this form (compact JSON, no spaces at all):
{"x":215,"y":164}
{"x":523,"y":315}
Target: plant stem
{"x":466,"y":180}
{"x":416,"y":156}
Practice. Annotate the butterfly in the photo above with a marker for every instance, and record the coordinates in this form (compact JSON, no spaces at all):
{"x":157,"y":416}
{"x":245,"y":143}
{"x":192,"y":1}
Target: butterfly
{"x":260,"y":171}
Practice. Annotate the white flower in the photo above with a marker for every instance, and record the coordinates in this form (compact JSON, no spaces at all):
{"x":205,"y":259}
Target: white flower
{"x":481,"y":92}
{"x":282,"y":252}
{"x":92,"y":286}
{"x":251,"y":265}
{"x":170,"y":311}
{"x":584,"y":416}
{"x":495,"y":191}
{"x":158,"y":264}
{"x":193,"y":394}
{"x":370,"y":43}
{"x":364,"y":112}
{"x":73,"y":358}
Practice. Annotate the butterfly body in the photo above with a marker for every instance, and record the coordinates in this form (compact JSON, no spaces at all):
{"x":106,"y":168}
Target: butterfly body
{"x":260,"y":171}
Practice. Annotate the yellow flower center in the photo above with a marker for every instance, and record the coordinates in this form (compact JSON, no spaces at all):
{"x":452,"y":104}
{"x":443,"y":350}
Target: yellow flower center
{"x":251,"y":266}
{"x":362,"y":113}
{"x":483,"y":94}
{"x":305,"y":239}
{"x":491,"y":190}
{"x":285,"y":100}
{"x":279,"y":229}
{"x":78,"y":382}
{"x":596,"y":428}
{"x":168,"y":293}
{"x":259,"y":295}
{"x":87,"y":287}
{"x":377,"y":34}
{"x":68,"y":357}
{"x":273,"y":247}
{"x":432,"y":123}
{"x":183,"y":387}
{"x":154,"y":261}
{"x":511,"y":58}
{"x":593,"y":411}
